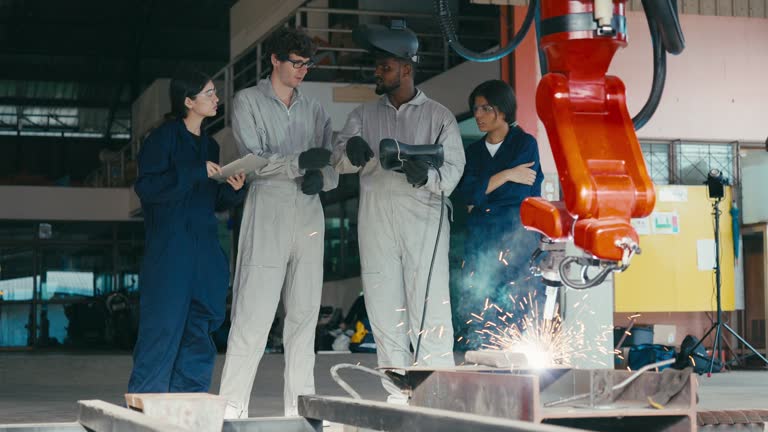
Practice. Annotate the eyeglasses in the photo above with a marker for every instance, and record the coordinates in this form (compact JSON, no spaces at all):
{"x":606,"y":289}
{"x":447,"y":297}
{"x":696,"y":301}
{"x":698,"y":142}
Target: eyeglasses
{"x":298,"y":64}
{"x":210,"y":93}
{"x":487,"y":109}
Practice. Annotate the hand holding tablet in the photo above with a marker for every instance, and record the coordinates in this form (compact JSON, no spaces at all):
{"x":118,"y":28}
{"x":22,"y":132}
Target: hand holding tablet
{"x":245,"y":165}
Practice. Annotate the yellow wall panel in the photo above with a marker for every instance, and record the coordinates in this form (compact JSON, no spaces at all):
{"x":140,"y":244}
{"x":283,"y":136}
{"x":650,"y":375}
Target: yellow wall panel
{"x":665,"y":277}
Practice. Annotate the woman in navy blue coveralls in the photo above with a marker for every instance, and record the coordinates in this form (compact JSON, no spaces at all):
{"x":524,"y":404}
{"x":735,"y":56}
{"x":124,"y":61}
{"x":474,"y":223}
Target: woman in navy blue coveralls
{"x":185,"y":275}
{"x":502,"y":169}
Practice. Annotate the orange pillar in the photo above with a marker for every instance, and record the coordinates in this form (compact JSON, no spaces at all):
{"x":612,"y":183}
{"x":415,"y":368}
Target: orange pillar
{"x":506,"y":71}
{"x":525,"y":74}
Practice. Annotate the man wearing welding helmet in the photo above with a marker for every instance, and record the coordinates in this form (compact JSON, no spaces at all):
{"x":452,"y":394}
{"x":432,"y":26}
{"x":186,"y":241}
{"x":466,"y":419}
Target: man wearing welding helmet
{"x":400,"y":211}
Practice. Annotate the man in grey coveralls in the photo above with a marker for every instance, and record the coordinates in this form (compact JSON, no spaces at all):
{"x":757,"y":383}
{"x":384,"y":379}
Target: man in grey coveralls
{"x":281,"y":238}
{"x":399,"y":212}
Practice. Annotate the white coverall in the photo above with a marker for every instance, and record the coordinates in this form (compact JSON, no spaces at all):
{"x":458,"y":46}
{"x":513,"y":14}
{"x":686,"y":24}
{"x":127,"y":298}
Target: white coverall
{"x":397,"y":228}
{"x":280,"y":246}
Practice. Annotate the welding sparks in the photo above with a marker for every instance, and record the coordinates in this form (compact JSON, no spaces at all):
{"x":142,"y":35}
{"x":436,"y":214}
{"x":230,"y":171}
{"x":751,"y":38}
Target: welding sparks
{"x":545,"y":342}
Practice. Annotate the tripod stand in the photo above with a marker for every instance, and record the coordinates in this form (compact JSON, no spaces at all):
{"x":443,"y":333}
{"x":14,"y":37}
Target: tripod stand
{"x":719,"y":324}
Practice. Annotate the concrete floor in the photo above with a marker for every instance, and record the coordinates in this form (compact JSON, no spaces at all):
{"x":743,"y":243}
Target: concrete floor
{"x":45,"y":387}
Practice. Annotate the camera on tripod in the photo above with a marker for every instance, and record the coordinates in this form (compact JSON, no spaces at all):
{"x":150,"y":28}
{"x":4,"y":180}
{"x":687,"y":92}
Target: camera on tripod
{"x":715,"y":184}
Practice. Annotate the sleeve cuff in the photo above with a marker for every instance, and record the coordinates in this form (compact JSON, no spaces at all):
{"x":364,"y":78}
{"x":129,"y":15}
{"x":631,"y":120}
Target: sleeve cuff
{"x":293,"y":169}
{"x":433,"y":181}
{"x":480,"y":197}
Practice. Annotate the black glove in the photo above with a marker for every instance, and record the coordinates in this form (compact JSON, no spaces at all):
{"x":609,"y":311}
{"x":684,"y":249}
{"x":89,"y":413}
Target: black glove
{"x":416,"y":172}
{"x":314,"y":158}
{"x":313,"y":182}
{"x":358,"y":151}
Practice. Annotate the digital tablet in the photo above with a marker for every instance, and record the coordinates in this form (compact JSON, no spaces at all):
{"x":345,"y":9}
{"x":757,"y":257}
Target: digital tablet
{"x":247,"y":164}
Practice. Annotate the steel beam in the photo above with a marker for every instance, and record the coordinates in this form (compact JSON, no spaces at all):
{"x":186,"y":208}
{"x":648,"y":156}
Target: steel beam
{"x":272,"y":424}
{"x":401,"y":418}
{"x":100,"y":416}
{"x":42,"y":427}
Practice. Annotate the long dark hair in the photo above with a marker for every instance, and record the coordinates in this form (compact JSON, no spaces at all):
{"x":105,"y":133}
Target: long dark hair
{"x":185,"y":85}
{"x":499,"y":95}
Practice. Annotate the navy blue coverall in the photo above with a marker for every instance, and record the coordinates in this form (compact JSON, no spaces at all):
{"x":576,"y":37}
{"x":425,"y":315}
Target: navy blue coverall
{"x":497,"y":247}
{"x":185,"y":275}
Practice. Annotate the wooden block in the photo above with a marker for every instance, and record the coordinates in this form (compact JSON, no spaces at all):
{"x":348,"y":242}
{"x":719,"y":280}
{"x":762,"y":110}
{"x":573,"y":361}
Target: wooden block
{"x":194,"y":411}
{"x":353,"y":94}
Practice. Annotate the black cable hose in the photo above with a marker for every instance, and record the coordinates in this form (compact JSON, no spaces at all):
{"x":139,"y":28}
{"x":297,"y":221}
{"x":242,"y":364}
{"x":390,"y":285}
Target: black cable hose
{"x":431,"y":267}
{"x":446,"y":25}
{"x":659,"y":77}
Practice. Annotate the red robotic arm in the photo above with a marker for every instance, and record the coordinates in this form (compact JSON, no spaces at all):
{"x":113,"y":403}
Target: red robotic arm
{"x":598,"y":157}
{"x":600,"y":165}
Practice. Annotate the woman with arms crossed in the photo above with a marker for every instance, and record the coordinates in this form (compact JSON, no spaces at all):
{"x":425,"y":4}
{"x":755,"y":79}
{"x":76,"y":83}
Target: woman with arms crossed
{"x":502,"y":170}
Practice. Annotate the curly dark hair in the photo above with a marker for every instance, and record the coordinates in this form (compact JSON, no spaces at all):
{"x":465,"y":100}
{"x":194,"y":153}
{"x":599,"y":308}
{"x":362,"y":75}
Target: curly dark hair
{"x":288,"y":40}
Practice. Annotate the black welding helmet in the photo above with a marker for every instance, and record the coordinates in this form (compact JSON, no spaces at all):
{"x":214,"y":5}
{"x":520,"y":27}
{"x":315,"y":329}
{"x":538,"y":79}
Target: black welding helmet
{"x":396,"y":40}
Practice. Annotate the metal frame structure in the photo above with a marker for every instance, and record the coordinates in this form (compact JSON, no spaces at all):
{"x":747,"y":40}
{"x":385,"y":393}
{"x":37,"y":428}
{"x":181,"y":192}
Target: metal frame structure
{"x":390,"y":417}
{"x":465,"y":398}
{"x":100,"y":416}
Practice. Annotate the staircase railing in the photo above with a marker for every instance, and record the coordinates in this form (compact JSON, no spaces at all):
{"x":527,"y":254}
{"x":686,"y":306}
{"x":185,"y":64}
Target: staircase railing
{"x":337,"y":63}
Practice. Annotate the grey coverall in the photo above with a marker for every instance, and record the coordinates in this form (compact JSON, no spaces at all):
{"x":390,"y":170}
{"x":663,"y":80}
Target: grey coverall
{"x":398,"y":227}
{"x":281,"y":243}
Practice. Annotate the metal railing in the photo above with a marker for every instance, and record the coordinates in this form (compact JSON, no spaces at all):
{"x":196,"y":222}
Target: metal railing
{"x":118,"y":168}
{"x":249,"y":67}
